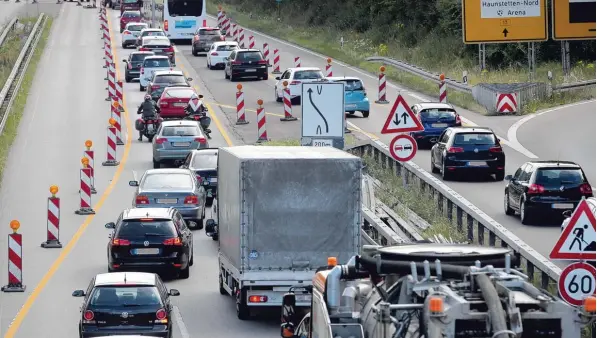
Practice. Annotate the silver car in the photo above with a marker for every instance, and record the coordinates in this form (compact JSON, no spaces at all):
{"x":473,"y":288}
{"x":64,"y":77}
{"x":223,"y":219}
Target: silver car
{"x":174,"y":140}
{"x":176,"y":188}
{"x":132,"y":30}
{"x":151,"y":65}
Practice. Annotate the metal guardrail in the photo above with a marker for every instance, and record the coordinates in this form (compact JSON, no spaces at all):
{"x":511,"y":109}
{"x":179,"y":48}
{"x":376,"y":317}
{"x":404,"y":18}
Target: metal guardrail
{"x":568,"y":86}
{"x":13,"y":83}
{"x":467,"y":218}
{"x":11,"y":25}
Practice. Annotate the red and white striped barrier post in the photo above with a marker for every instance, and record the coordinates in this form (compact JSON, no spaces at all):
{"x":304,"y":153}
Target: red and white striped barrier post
{"x":120,"y":95}
{"x":85,"y":190}
{"x":53,"y":226}
{"x":240,"y":106}
{"x":15,"y":260}
{"x":107,"y":55}
{"x":220,"y":15}
{"x":117,"y":116}
{"x":328,"y":68}
{"x":107,"y":38}
{"x":297,"y":61}
{"x":234,"y":32}
{"x":381,"y":87}
{"x":287,"y":104}
{"x":266,"y":53}
{"x":111,"y":83}
{"x":226,"y":25}
{"x":90,"y":155}
{"x":443,"y":89}
{"x":276,"y":62}
{"x":111,"y":151}
{"x":241,"y":37}
{"x":251,"y":42}
{"x":261,"y":128}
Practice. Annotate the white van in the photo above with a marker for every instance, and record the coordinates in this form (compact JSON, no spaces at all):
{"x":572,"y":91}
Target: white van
{"x":151,"y":65}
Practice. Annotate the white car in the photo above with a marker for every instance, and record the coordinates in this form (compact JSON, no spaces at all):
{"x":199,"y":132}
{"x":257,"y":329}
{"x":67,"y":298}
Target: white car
{"x":152,"y":64}
{"x":132,"y":30}
{"x":568,"y":214}
{"x":296,"y":77}
{"x":218,"y":52}
{"x":149,"y":32}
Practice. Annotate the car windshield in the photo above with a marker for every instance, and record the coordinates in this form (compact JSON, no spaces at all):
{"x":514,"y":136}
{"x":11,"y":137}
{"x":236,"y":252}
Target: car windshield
{"x":156,"y":63}
{"x":308,"y":75}
{"x":471,"y":139}
{"x":153,"y":33}
{"x":136,"y":28}
{"x":125,"y":296}
{"x":167,"y":181}
{"x":146,"y":227}
{"x":552,"y":177}
{"x":180,"y":93}
{"x":438,"y":113}
{"x":129,"y":15}
{"x":226,"y":48}
{"x":170,"y":79}
{"x":351,"y":85}
{"x":209,"y":32}
{"x":205,"y":161}
{"x":249,"y":56}
{"x":180,"y":131}
{"x":139,"y":57}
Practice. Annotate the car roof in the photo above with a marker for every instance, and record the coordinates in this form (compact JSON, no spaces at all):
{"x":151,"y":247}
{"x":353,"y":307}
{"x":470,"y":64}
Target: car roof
{"x":294,"y":69}
{"x":554,"y":163}
{"x":209,"y":28}
{"x":124,"y":278}
{"x":136,"y":23}
{"x":142,"y":52}
{"x":168,"y":171}
{"x":340,"y":78}
{"x":186,"y":123}
{"x":131,"y":12}
{"x":179,"y":87}
{"x":137,"y":213}
{"x":158,"y":57}
{"x":152,"y":30}
{"x":168,"y":72}
{"x":247,"y":50}
{"x":224,"y":43}
{"x":458,"y":130}
{"x":434,"y":105}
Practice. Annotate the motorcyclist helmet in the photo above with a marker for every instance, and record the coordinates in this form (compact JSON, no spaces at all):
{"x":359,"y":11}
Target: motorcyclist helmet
{"x":147,"y":97}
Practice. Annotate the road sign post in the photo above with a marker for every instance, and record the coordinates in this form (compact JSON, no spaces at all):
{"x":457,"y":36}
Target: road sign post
{"x":323,"y":115}
{"x":573,"y":19}
{"x":576,"y":283}
{"x":577,"y":240}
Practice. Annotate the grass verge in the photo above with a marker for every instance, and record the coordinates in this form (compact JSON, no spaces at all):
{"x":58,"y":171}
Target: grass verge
{"x":12,"y":123}
{"x":357,"y":47}
{"x":11,"y":48}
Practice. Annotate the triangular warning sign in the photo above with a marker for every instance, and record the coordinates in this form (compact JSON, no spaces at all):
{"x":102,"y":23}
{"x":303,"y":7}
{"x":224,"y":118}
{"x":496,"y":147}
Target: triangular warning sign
{"x":577,"y":241}
{"x":401,"y":119}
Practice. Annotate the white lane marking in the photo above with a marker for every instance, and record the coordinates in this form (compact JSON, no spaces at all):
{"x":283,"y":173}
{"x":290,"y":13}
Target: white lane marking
{"x":513,"y":130}
{"x":184,"y":333}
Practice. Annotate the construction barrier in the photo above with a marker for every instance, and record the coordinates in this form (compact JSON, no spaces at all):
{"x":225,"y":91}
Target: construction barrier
{"x":15,"y":260}
{"x":111,"y":82}
{"x":251,"y":42}
{"x":287,"y":104}
{"x":241,"y":37}
{"x":90,"y":155}
{"x":506,"y":103}
{"x":381,"y":88}
{"x":297,"y":62}
{"x":443,"y":89}
{"x":111,"y":151}
{"x":227,"y":25}
{"x":120,"y":95}
{"x":117,"y":116}
{"x":85,"y":190}
{"x":328,"y":68}
{"x":220,"y":17}
{"x":240,"y":106}
{"x":53,"y":222}
{"x":234,"y":32}
{"x":261,"y":128}
{"x":276,"y":62}
{"x":107,"y":55}
{"x":266,"y":53}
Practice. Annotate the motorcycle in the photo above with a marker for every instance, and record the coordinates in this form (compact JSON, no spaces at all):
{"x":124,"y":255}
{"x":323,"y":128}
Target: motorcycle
{"x":203,"y":119}
{"x":148,"y":127}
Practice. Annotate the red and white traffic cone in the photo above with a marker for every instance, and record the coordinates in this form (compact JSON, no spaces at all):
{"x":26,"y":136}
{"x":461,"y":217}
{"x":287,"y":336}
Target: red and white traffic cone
{"x":381,"y":87}
{"x":241,"y":37}
{"x":117,"y":116}
{"x":266,"y":53}
{"x":287,"y":104}
{"x":251,"y":42}
{"x":297,"y":61}
{"x":443,"y":89}
{"x":53,"y":224}
{"x":234,"y":32}
{"x":89,"y":154}
{"x":111,"y":83}
{"x":261,"y":129}
{"x":328,"y":68}
{"x":85,"y":190}
{"x":15,"y":260}
{"x":240,"y":106}
{"x":111,"y":151}
{"x":276,"y":62}
{"x":120,"y":95}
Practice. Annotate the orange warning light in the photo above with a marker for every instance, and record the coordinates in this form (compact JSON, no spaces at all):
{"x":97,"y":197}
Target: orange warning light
{"x":329,"y":60}
{"x":112,"y":122}
{"x":382,"y":69}
{"x":332,"y":261}
{"x":285,"y":83}
{"x":436,"y":304}
{"x":442,"y":77}
{"x":589,"y":304}
{"x":239,"y":87}
{"x":88,"y":144}
{"x":15,"y":225}
{"x":85,"y":161}
{"x":220,"y":8}
{"x":260,"y":102}
{"x":54,"y":189}
{"x":115,"y":104}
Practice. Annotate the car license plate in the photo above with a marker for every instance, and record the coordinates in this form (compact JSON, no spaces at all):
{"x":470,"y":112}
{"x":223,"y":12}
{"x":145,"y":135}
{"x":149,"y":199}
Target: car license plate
{"x":250,"y":70}
{"x":562,"y":206}
{"x":439,"y":125}
{"x":477,"y":164}
{"x":351,"y":106}
{"x":168,"y":200}
{"x":302,"y":298}
{"x":146,"y":251}
{"x":180,"y":104}
{"x":213,"y":180}
{"x":150,"y":127}
{"x":181,"y":144}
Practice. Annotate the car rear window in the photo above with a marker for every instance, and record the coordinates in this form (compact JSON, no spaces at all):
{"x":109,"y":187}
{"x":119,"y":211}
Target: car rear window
{"x":205,"y":161}
{"x":557,"y":177}
{"x":153,"y":33}
{"x":308,"y":75}
{"x":139,"y":57}
{"x":226,"y":48}
{"x":249,"y":56}
{"x":162,"y":181}
{"x":125,"y":296}
{"x":136,"y":28}
{"x":157,"y":42}
{"x":131,"y":15}
{"x":350,"y":85}
{"x":156,"y":63}
{"x":470,"y":139}
{"x":180,"y":131}
{"x":149,"y":227}
{"x":170,"y":79}
{"x":209,"y":32}
{"x":178,"y":93}
{"x":438,"y":113}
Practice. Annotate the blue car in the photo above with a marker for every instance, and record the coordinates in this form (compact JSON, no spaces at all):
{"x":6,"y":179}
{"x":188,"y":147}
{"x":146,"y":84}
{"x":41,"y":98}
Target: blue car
{"x":355,"y":96}
{"x":435,"y":117}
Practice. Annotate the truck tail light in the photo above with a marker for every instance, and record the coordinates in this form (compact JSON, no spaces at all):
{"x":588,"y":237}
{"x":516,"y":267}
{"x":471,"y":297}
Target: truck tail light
{"x":257,"y":299}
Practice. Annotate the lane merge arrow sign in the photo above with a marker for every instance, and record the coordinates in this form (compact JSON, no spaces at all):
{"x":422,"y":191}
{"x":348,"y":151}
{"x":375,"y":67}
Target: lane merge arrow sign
{"x":401,"y":119}
{"x":577,"y":241}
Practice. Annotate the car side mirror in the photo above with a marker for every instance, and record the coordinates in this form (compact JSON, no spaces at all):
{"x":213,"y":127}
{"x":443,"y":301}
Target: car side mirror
{"x":567,"y":213}
{"x":78,"y":293}
{"x":110,"y":225}
{"x":270,"y":65}
{"x":508,"y":178}
{"x":125,"y":60}
{"x":133,"y":183}
{"x":174,"y":292}
{"x":277,"y":78}
{"x":189,"y":79}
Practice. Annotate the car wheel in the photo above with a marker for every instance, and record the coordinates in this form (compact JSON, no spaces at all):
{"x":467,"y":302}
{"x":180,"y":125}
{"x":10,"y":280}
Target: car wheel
{"x":156,"y":164}
{"x":209,"y":201}
{"x":198,"y":223}
{"x":150,"y":138}
{"x":433,"y":167}
{"x":445,"y":175}
{"x":525,"y":215}
{"x":278,"y":99}
{"x":192,"y":261}
{"x":127,"y":79}
{"x":507,"y":209}
{"x":242,"y":309}
{"x":266,"y":76}
{"x":221,"y":285}
{"x":215,"y":237}
{"x":231,"y":77}
{"x":499,"y":175}
{"x":193,"y":51}
{"x":365,"y":113}
{"x":123,"y":46}
{"x":226,"y":74}
{"x":185,"y":273}
{"x":141,"y":88}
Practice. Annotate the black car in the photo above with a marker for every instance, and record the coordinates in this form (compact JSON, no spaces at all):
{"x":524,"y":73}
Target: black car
{"x":133,"y":64}
{"x":204,"y":37}
{"x":154,"y":239}
{"x":246,"y":63}
{"x":204,"y":162}
{"x":468,"y":149}
{"x":163,"y":79}
{"x":126,"y":303}
{"x":546,"y":188}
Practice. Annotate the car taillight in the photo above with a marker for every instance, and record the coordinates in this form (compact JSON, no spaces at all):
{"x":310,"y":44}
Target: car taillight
{"x":201,"y":140}
{"x":142,"y":200}
{"x":163,"y":104}
{"x":257,"y":299}
{"x":129,"y":66}
{"x":199,"y":179}
{"x":88,"y":315}
{"x":161,"y":140}
{"x":161,"y":314}
{"x":262,"y":62}
{"x":191,"y":199}
{"x":143,"y":49}
{"x":126,"y":33}
{"x":166,"y":25}
{"x":236,"y":62}
{"x":535,"y":189}
{"x":453,"y":150}
{"x":496,"y":149}
{"x":154,"y":87}
{"x":120,"y":242}
{"x":214,"y":54}
{"x":586,"y":188}
{"x":142,"y":70}
{"x":458,"y":120}
{"x":295,"y":82}
{"x":170,"y":49}
{"x":173,"y":241}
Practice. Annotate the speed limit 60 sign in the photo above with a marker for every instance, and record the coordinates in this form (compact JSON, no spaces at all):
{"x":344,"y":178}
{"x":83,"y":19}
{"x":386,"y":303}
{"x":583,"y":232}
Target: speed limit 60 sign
{"x":576,"y":283}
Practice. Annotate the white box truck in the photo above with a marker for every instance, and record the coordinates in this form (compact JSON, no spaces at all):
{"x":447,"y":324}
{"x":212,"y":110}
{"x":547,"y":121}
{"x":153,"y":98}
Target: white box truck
{"x":281,"y":212}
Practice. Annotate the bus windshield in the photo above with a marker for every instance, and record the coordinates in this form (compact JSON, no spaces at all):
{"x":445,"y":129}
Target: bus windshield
{"x":185,"y":7}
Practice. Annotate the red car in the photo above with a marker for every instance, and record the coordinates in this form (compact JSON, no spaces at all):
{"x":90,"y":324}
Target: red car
{"x":129,"y":16}
{"x":174,"y":100}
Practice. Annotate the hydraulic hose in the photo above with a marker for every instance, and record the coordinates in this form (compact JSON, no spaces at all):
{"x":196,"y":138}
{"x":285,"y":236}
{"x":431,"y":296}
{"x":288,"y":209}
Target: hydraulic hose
{"x":403,"y":268}
{"x":494,"y":306}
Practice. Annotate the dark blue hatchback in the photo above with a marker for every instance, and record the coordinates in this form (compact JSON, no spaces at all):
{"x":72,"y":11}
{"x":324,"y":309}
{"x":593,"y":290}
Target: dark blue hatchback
{"x":435,"y":117}
{"x":204,"y":163}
